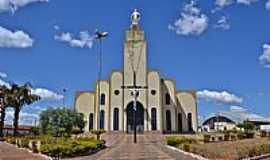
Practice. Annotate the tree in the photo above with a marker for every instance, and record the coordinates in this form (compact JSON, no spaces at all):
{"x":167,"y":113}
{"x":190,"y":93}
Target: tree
{"x":20,"y":96}
{"x":4,"y":91}
{"x":60,"y":121}
{"x":247,"y":126}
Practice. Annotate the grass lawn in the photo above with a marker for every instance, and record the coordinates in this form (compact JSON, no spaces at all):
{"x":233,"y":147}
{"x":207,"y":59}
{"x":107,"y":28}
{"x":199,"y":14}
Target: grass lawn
{"x":225,"y":150}
{"x":232,"y":150}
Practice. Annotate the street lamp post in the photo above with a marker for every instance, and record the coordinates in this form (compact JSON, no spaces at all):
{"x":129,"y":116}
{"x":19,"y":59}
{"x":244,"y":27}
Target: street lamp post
{"x":64,"y":98}
{"x":1,"y":111}
{"x":100,"y":36}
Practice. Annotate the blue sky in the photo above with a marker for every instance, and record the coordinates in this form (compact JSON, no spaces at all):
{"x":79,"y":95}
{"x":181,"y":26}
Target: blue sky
{"x":221,"y":48}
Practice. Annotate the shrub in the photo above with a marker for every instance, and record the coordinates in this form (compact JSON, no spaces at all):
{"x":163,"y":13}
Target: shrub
{"x":186,"y":147}
{"x":11,"y":140}
{"x":233,"y":137}
{"x":24,"y":143}
{"x":206,"y":138}
{"x":98,"y":133}
{"x":177,"y":141}
{"x":2,"y":139}
{"x":76,"y":131}
{"x":72,"y":147}
{"x":35,"y":131}
{"x":241,"y":135}
{"x":263,"y":134}
{"x":250,"y":135}
{"x":227,"y":137}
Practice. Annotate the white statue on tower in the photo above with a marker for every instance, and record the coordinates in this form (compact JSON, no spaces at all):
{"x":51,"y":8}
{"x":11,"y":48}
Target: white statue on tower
{"x":135,"y":17}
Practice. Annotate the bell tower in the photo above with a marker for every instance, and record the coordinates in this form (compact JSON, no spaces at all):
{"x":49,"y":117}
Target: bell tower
{"x":135,"y":61}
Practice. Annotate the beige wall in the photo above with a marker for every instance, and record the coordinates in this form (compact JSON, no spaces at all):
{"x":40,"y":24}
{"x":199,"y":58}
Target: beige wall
{"x":154,"y":101}
{"x":117,"y":100}
{"x":135,"y":55}
{"x":169,"y":87}
{"x":104,"y":88}
{"x":85,"y":103}
{"x":188,"y":103}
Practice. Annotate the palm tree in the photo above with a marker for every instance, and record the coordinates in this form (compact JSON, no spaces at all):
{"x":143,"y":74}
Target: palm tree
{"x":21,"y":95}
{"x":3,"y":105}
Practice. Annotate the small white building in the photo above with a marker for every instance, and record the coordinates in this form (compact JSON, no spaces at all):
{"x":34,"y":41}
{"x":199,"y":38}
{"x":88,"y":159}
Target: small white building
{"x":228,"y":120}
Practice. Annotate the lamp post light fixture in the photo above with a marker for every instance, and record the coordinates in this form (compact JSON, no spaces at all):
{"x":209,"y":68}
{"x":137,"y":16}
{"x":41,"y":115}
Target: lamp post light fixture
{"x":64,"y":97}
{"x":99,"y":36}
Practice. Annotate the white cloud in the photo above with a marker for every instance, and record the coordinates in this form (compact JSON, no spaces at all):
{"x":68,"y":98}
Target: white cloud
{"x":26,"y":118}
{"x":267,"y":5}
{"x":238,"y":108}
{"x":223,"y":3}
{"x":4,"y":83}
{"x":265,"y":57}
{"x":3,"y":75}
{"x":47,"y":94}
{"x":222,"y":23}
{"x":84,"y":39}
{"x":220,"y":97}
{"x":13,"y":5}
{"x":56,"y":27}
{"x":246,"y":2}
{"x":191,"y":22}
{"x":16,"y":39}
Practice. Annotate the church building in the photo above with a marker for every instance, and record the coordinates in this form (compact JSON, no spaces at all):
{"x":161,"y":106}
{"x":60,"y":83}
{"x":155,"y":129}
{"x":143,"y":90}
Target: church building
{"x":157,"y":104}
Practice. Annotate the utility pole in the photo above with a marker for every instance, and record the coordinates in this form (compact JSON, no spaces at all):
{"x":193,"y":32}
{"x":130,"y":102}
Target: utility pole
{"x":99,"y":36}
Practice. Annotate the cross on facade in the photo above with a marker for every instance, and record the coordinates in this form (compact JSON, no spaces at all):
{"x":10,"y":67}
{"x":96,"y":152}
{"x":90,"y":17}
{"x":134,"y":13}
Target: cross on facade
{"x":135,"y":94}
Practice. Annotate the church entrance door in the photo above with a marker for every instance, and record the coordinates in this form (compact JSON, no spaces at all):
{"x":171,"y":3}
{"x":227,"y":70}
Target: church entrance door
{"x":139,"y":118}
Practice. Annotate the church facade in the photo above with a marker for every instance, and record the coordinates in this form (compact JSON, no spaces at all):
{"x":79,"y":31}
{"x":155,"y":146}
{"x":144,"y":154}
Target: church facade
{"x":159,"y":106}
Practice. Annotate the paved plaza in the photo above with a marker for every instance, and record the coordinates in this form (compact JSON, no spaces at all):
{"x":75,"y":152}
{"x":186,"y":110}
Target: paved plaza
{"x":149,"y":147}
{"x":10,"y":152}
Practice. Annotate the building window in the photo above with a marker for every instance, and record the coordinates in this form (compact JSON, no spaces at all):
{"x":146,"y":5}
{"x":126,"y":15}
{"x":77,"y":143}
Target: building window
{"x":167,"y":99}
{"x":168,"y":120}
{"x":117,"y":92}
{"x":153,"y":92}
{"x":116,"y":119}
{"x":180,"y":127}
{"x":154,"y":119}
{"x":91,"y":121}
{"x":102,"y":99}
{"x":102,"y":119}
{"x":189,"y":117}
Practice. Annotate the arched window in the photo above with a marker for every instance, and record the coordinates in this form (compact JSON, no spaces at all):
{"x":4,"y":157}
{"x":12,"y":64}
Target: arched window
{"x":168,"y":120}
{"x":167,"y":99}
{"x":154,"y":119}
{"x":102,"y":99}
{"x":180,"y":127}
{"x":102,"y":119}
{"x":189,"y":117}
{"x":91,"y":121}
{"x":116,"y":119}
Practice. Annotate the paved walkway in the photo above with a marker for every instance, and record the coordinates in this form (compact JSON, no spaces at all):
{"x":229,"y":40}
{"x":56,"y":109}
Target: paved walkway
{"x":10,"y":152}
{"x":148,"y":147}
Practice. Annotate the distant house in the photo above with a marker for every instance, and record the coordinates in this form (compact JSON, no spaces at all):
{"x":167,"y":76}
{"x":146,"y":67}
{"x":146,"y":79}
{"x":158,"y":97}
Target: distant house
{"x":228,"y":120}
{"x":22,"y":129}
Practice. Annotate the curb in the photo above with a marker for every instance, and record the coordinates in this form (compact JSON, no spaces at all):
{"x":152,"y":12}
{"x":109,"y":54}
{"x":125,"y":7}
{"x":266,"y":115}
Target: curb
{"x":258,"y":157}
{"x":187,"y":153}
